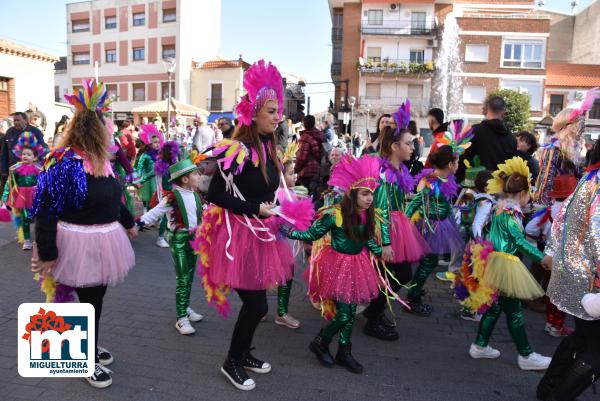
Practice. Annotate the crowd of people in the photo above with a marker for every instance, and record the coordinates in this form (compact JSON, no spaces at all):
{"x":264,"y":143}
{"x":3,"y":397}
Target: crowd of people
{"x":251,"y":203}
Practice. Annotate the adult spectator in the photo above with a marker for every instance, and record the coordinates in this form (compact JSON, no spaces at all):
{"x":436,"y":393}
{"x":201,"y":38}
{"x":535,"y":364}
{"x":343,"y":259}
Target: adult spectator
{"x":226,"y":127}
{"x":21,"y":124}
{"x":492,"y":140}
{"x":310,"y":150}
{"x":331,"y":139}
{"x":41,"y":117}
{"x":412,"y":127}
{"x":126,"y":140}
{"x":435,"y":120}
{"x":202,"y":135}
{"x":526,"y":147}
{"x":372,"y":145}
{"x":59,"y":129}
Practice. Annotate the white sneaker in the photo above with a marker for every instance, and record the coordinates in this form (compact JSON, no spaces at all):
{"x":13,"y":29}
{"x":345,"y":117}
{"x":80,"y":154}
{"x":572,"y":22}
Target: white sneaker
{"x":534,"y":361}
{"x":478,"y":352}
{"x":193,"y":316}
{"x":162,"y":243}
{"x":27,"y":245}
{"x":184,"y":327}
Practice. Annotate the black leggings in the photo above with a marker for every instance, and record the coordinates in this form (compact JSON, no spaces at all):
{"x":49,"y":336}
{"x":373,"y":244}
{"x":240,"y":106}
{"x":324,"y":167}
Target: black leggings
{"x":94,"y":296}
{"x":254,"y":307}
{"x":403,"y":273}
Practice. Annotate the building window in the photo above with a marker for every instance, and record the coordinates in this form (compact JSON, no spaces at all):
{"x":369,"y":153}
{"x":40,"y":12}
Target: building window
{"x":110,"y":56}
{"x":170,"y":15}
{"x":138,"y":53}
{"x":111,"y":90}
{"x":373,"y":91}
{"x":473,"y":94}
{"x":418,"y":22}
{"x":595,"y":111}
{"x":417,"y":56}
{"x":532,"y":88}
{"x":168,"y":51}
{"x":56,"y":93}
{"x":337,"y":25}
{"x":164,"y":90}
{"x":139,"y":92}
{"x":523,"y":54}
{"x":216,"y":97}
{"x":139,"y":19}
{"x":81,"y":58}
{"x":81,"y":26}
{"x":374,"y":54}
{"x":477,"y":53}
{"x":556,"y":104}
{"x":375,"y":17}
{"x":110,"y":22}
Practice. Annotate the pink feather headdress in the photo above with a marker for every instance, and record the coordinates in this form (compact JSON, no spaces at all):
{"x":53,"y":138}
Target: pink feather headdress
{"x":586,"y":104}
{"x":148,"y":131}
{"x":353,"y":173}
{"x":262,"y":83}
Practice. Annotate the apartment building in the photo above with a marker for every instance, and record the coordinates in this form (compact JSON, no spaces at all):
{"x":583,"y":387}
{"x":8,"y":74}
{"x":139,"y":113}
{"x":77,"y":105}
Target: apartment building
{"x":127,"y":40}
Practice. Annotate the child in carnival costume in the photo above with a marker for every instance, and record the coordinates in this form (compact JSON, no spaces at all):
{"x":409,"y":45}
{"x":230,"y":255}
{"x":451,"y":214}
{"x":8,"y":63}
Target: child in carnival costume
{"x":399,"y":236}
{"x":504,"y":271}
{"x":168,"y":156}
{"x":183,"y":208}
{"x":121,"y":166}
{"x":432,"y":209}
{"x":144,"y":164}
{"x":22,"y":181}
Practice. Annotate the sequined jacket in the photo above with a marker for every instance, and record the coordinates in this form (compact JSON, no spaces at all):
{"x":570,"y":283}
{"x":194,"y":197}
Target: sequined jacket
{"x":575,"y":247}
{"x":432,"y":200}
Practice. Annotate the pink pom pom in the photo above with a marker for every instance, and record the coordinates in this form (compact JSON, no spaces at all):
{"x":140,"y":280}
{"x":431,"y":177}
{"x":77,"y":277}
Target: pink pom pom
{"x":300,"y":211}
{"x":4,"y":215}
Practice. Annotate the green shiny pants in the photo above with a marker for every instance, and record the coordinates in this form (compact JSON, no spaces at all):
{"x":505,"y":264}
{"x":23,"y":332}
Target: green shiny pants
{"x":283,"y":298}
{"x":25,"y":222}
{"x":163,"y":226}
{"x":427,"y":265}
{"x":514,"y":319}
{"x":342,"y":323}
{"x":185,"y":266}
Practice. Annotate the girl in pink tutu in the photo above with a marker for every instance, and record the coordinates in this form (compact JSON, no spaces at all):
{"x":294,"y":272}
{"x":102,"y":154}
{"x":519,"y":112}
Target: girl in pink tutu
{"x":343,"y":272}
{"x":22,"y":180}
{"x":407,"y":244}
{"x":81,"y":225}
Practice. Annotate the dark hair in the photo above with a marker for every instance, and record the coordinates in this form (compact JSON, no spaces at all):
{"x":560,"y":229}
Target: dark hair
{"x":124,"y":124}
{"x":514,"y":183}
{"x":309,"y":122}
{"x":495,"y":104}
{"x":438,"y":114}
{"x":481,"y":180}
{"x":378,"y":121}
{"x":387,"y":138}
{"x":530,"y":139}
{"x":412,"y":127}
{"x":21,"y":114}
{"x":595,"y":152}
{"x":352,"y":220}
{"x":442,"y":157}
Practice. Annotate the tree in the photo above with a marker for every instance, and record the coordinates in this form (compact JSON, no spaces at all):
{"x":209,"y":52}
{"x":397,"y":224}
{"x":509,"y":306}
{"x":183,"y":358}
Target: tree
{"x":518,"y":108}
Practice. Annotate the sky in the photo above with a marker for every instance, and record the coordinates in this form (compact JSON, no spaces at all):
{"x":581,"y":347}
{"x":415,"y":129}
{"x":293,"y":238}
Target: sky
{"x":294,"y":34}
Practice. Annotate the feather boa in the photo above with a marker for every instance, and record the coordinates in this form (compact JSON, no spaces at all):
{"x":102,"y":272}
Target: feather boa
{"x":161,"y":167}
{"x":437,"y":186}
{"x":301,"y":212}
{"x":28,"y":169}
{"x":398,"y":176}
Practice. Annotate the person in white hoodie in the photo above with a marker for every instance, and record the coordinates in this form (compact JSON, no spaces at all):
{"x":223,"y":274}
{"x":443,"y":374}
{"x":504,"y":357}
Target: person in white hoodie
{"x":203,"y":136}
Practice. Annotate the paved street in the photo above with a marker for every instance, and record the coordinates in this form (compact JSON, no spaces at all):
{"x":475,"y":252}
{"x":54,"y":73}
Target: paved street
{"x":154,"y":362}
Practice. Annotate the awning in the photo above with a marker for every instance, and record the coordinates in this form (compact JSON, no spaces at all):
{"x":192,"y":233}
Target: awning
{"x":215,"y":116}
{"x":177,"y":108}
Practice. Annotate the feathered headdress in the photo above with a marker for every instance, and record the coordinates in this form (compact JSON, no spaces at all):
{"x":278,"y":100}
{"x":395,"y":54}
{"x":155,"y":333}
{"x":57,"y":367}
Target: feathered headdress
{"x":28,"y":140}
{"x":148,"y":131}
{"x":402,"y":117}
{"x":458,"y":136}
{"x":495,"y":185}
{"x":290,"y":152}
{"x":92,"y":96}
{"x":262,"y":83}
{"x":161,"y":166}
{"x":586,"y":104}
{"x":353,"y":173}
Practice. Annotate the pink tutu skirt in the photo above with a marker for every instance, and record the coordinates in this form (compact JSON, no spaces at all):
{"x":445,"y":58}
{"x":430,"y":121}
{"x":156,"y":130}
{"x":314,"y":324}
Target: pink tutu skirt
{"x":92,"y":255}
{"x":351,"y":279}
{"x":445,"y":236}
{"x":407,"y":242}
{"x":21,"y":198}
{"x":257,"y":262}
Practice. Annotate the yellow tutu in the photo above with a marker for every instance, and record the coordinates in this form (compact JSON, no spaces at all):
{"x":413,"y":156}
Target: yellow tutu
{"x":509,"y":275}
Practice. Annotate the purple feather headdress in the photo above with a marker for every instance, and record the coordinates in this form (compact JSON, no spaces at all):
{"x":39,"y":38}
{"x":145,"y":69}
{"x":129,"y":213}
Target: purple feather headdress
{"x":262,"y":82}
{"x":161,"y":167}
{"x":402,"y":117}
{"x":400,"y":177}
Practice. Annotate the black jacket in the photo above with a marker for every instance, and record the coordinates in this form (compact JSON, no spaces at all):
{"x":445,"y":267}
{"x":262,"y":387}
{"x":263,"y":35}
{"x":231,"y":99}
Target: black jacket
{"x":492,"y":142}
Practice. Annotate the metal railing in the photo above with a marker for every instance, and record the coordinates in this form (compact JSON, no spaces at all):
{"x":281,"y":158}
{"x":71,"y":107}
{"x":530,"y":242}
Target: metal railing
{"x":417,"y":105}
{"x":398,"y":27}
{"x":396,"y":66}
{"x":337,"y":34}
{"x":214,"y":104}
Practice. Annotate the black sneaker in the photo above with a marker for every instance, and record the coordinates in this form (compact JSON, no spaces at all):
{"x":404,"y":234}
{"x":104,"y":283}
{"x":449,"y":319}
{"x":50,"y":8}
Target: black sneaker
{"x":235,"y":372}
{"x":101,"y":377}
{"x":255,"y":365}
{"x":105,"y":358}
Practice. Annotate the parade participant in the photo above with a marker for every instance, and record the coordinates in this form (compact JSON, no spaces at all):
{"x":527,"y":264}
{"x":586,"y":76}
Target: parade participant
{"x":181,"y":205}
{"x":168,"y":156}
{"x":575,"y":248}
{"x":237,"y":241}
{"x":22,"y":180}
{"x":504,"y":271}
{"x":432,"y":209}
{"x":80,"y":221}
{"x":343,"y":272}
{"x":144,"y":164}
{"x":407,"y":244}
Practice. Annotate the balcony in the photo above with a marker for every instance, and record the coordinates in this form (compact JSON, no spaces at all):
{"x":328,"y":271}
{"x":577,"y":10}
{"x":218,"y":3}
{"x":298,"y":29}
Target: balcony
{"x":418,"y":106}
{"x":396,"y":67}
{"x":214,"y":104}
{"x":337,"y":34}
{"x":398,"y":27}
{"x":336,"y":68}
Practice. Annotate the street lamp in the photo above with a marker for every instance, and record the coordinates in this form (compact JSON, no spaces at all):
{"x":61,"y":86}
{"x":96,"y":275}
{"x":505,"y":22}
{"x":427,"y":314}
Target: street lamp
{"x":170,"y":63}
{"x":368,"y":112}
{"x":351,"y":102}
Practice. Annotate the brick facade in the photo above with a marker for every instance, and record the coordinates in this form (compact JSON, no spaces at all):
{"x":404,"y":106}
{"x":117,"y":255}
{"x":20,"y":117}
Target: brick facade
{"x":504,"y":25}
{"x":351,"y":48}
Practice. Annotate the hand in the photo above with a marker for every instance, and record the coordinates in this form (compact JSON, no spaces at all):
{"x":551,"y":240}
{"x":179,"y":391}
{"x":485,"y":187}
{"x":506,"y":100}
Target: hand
{"x":547,"y":262}
{"x":137,"y":185}
{"x":132,"y":233}
{"x":38,"y":266}
{"x":266,"y":209}
{"x":388,"y":253}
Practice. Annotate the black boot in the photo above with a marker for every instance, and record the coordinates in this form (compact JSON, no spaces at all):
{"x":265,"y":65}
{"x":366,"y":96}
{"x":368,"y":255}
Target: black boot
{"x":577,"y":378}
{"x":233,"y":369}
{"x":320,"y":348}
{"x":344,"y":357}
{"x":417,"y":306}
{"x":377,"y":328}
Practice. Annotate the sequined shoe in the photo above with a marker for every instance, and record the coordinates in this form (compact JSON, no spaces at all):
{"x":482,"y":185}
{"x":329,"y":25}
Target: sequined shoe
{"x":287,"y":321}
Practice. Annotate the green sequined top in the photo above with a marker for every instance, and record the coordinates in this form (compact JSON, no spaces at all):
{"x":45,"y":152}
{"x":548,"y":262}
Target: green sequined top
{"x":145,"y":170}
{"x":381,"y":203}
{"x":29,"y":180}
{"x":430,"y":205}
